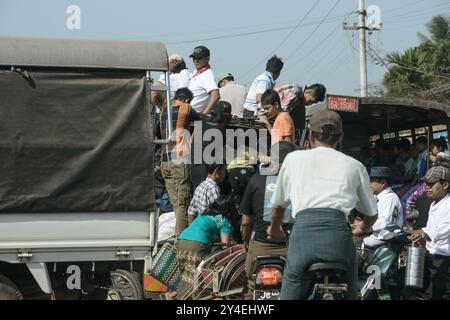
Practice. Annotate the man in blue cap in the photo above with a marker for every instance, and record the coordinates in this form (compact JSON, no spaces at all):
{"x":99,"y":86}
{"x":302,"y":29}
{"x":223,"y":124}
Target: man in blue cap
{"x":389,"y":206}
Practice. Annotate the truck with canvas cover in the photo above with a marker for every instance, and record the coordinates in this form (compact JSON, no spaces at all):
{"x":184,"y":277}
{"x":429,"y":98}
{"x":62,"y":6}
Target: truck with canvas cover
{"x":77,"y":208}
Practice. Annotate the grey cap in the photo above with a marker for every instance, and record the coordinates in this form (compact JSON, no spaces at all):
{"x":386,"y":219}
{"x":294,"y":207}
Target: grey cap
{"x":224,"y":76}
{"x":381,"y":172}
{"x":327,"y":122}
{"x":434,"y":174}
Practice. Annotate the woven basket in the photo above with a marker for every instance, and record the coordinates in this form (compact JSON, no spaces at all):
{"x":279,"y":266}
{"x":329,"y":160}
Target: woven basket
{"x":165,"y":266}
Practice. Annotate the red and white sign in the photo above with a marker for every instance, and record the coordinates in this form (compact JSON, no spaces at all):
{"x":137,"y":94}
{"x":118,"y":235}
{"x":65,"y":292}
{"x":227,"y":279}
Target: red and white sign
{"x":341,"y":103}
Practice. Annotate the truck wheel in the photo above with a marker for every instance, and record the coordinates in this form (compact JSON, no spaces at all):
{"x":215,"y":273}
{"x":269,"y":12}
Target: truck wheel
{"x":8,"y":290}
{"x":127,"y":284}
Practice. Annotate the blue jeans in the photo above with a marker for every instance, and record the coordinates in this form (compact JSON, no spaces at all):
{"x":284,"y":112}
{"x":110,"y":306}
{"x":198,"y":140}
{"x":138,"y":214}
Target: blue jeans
{"x":318,"y":235}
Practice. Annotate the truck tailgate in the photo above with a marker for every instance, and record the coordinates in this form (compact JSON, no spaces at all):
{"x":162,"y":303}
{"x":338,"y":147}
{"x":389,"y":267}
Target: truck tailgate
{"x":75,"y":229}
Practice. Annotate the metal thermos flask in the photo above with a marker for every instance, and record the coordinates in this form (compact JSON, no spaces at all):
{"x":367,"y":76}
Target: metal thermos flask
{"x":415,"y":267}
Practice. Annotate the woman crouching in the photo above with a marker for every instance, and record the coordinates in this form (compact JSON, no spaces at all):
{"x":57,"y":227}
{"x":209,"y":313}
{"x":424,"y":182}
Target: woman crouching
{"x":195,"y":242}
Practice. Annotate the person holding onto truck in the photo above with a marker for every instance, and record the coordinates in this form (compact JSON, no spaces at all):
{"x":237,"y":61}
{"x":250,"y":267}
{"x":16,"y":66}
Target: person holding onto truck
{"x":179,"y":75}
{"x":202,"y":82}
{"x":232,"y":92}
{"x":207,"y":192}
{"x":217,"y":122}
{"x":294,"y":98}
{"x":283,"y":126}
{"x":261,"y":83}
{"x":196,"y":241}
{"x":175,"y":155}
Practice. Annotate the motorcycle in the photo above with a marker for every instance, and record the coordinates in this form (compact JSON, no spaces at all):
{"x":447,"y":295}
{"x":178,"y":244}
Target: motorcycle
{"x":267,"y":273}
{"x":388,"y":263}
{"x":394,"y":270}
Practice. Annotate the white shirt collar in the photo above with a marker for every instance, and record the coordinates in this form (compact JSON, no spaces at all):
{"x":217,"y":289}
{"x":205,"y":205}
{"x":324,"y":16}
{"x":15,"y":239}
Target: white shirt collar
{"x":435,"y":205}
{"x":385,"y":192}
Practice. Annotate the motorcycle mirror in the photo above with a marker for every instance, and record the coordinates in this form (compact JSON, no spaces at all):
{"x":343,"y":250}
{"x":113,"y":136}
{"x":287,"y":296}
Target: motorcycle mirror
{"x":388,"y":235}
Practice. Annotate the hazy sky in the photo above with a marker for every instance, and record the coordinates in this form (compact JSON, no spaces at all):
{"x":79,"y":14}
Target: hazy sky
{"x":241,"y":34}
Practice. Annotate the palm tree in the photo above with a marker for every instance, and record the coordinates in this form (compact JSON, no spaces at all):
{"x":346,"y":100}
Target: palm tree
{"x":407,"y":73}
{"x":439,"y":28}
{"x":423,"y":68}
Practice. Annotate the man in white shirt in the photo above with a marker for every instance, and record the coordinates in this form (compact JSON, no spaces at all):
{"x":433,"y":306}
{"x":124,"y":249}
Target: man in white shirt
{"x":260,"y":85}
{"x":232,"y":92}
{"x":179,"y":76}
{"x":437,"y":232}
{"x":389,"y":206}
{"x":202,"y":83}
{"x":323,"y":185}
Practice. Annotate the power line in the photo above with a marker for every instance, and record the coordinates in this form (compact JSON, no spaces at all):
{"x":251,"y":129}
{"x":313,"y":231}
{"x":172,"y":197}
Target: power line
{"x":437,"y":75}
{"x":406,"y":67}
{"x":321,"y":42}
{"x":313,"y":63}
{"x":282,"y":42}
{"x":310,"y":22}
{"x":235,"y":35}
{"x":419,"y":12}
{"x":327,"y":67}
{"x":231,"y":35}
{"x":292,"y":31}
{"x":351,"y":42}
{"x":332,"y":63}
{"x":312,"y":33}
{"x":403,"y":7}
{"x":321,"y":70}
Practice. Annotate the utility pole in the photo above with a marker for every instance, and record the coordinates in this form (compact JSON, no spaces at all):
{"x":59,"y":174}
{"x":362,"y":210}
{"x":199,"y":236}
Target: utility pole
{"x":362,"y":49}
{"x":361,"y":27}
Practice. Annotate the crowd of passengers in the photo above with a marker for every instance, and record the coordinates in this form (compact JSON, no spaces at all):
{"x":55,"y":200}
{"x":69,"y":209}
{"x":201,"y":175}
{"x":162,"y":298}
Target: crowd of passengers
{"x":219,"y":202}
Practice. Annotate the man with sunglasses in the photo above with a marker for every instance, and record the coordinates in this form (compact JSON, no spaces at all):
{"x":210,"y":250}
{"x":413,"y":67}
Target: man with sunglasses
{"x":437,"y":232}
{"x":202,"y":82}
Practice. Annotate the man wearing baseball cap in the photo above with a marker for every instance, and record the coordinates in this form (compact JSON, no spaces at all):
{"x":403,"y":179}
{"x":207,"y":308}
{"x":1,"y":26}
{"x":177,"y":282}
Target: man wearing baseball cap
{"x":179,"y":74}
{"x":323,"y":185}
{"x":232,"y":92}
{"x":202,"y":82}
{"x":389,"y":206}
{"x":437,"y":232}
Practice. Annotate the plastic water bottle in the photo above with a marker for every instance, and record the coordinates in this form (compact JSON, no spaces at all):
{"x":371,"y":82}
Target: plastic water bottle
{"x":415,"y":267}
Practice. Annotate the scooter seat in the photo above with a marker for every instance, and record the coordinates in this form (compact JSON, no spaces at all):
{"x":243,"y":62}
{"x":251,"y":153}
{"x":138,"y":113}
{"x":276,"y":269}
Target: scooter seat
{"x":327,"y":268}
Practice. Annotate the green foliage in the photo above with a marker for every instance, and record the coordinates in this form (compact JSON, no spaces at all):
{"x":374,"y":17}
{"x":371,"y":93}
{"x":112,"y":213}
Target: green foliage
{"x":423,"y":71}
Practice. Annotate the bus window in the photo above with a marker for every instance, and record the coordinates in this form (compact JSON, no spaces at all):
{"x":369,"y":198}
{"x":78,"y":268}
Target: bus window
{"x":439,"y":127}
{"x":374,"y":138}
{"x":437,"y":135}
{"x":405,"y":133}
{"x":422,"y":130}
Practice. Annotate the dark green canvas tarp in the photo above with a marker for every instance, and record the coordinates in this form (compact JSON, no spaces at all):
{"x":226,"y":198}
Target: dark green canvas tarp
{"x":73,"y":141}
